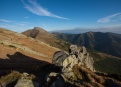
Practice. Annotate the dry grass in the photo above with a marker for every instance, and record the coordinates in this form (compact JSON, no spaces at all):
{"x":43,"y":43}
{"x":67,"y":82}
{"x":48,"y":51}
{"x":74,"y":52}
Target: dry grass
{"x":21,"y":43}
{"x":87,"y":78}
{"x":13,"y":76}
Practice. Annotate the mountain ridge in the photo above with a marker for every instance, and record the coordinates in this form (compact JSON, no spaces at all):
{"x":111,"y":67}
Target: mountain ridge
{"x":84,"y":30}
{"x":109,"y":43}
{"x":43,"y":35}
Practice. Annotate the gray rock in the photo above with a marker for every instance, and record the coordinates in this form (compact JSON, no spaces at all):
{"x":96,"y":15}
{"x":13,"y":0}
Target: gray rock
{"x":26,"y":81}
{"x":82,"y":56}
{"x":77,"y":56}
{"x":59,"y":57}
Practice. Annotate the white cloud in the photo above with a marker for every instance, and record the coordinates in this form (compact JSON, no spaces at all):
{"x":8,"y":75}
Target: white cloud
{"x":34,"y":7}
{"x":44,"y":25}
{"x":22,"y":23}
{"x":113,"y":17}
{"x":16,"y":26}
{"x":6,"y":21}
{"x":26,"y":17}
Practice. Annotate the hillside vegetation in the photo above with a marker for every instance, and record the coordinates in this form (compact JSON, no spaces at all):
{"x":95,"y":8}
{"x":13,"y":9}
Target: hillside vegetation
{"x":109,"y":43}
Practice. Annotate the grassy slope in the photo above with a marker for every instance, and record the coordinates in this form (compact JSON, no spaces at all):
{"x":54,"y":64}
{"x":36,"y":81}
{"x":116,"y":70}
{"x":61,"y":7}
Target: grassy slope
{"x":106,"y":63}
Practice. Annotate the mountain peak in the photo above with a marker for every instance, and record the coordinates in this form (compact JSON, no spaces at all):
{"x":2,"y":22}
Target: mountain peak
{"x":43,"y":35}
{"x":90,"y":32}
{"x":37,"y":28}
{"x":36,"y":32}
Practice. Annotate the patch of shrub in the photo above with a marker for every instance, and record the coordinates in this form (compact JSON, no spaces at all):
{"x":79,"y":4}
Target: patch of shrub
{"x":2,"y":43}
{"x":12,"y":46}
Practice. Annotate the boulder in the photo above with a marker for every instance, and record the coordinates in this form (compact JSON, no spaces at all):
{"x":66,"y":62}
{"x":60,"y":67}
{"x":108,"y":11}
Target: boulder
{"x":82,"y":56}
{"x":26,"y":81}
{"x":76,"y":55}
{"x":59,"y":57}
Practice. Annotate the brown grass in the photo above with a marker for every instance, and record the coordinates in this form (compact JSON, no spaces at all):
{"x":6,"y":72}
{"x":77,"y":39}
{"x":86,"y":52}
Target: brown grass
{"x":87,"y":77}
{"x":13,"y":76}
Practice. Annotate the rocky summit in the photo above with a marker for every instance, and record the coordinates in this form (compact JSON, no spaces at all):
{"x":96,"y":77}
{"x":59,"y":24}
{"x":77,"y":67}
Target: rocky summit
{"x":68,"y":69}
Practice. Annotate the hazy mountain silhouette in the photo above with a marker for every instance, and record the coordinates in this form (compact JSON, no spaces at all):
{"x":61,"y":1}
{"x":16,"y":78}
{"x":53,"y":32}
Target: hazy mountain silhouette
{"x":84,"y":30}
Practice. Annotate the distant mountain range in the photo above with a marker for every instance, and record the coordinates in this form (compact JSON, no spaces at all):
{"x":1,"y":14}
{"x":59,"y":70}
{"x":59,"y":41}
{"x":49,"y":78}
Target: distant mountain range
{"x":81,"y":30}
{"x":109,"y":43}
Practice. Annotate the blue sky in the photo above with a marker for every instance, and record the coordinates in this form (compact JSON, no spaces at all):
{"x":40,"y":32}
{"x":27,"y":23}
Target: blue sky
{"x":20,"y":15}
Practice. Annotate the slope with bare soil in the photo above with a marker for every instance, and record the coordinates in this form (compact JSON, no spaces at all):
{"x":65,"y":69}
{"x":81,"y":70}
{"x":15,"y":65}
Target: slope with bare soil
{"x":17,"y":50}
{"x":15,"y":42}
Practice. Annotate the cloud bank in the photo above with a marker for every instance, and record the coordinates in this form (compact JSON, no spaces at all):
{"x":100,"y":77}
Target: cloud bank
{"x":35,"y":8}
{"x":113,"y":17}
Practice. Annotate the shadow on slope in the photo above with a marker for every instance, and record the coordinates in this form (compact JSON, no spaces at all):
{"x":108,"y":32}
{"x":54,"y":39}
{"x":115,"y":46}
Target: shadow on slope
{"x":22,"y":63}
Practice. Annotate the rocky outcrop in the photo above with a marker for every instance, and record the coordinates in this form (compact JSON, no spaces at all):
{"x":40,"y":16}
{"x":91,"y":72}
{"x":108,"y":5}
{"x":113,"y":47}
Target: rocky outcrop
{"x":75,"y":56}
{"x":83,"y":56}
{"x":26,"y":81}
{"x":76,"y":70}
